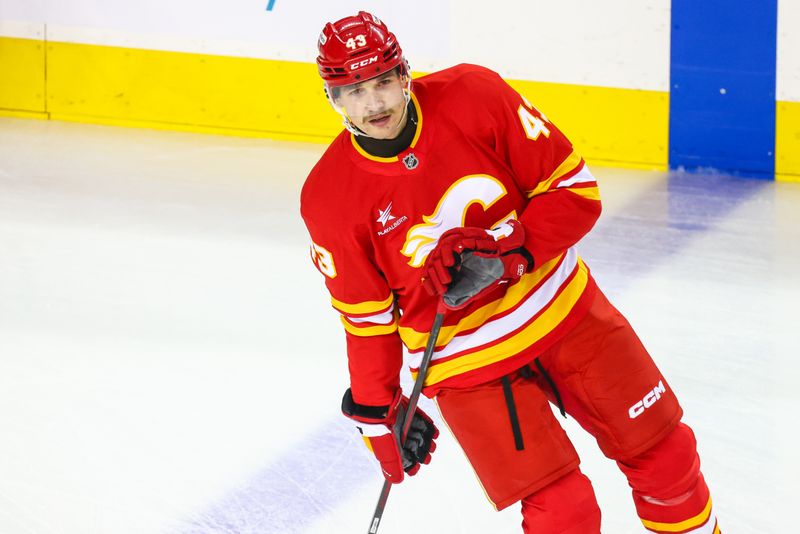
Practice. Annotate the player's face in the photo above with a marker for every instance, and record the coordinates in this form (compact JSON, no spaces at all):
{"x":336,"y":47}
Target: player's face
{"x":376,"y":106}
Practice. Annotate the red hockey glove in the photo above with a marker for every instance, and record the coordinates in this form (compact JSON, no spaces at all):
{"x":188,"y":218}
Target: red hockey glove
{"x":495,"y":256}
{"x":380,"y":426}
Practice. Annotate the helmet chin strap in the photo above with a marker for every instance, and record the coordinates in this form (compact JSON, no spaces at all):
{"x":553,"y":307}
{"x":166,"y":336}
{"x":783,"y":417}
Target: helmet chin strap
{"x":352,"y":128}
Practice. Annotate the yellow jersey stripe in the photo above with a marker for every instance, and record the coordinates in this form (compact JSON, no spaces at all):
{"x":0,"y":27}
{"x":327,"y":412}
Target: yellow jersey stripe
{"x":363,"y":308}
{"x":591,"y":193}
{"x":569,"y":164}
{"x":419,"y":120}
{"x":695,"y":521}
{"x":507,"y":324}
{"x":414,"y":340}
{"x":555,"y":313}
{"x":369,"y":331}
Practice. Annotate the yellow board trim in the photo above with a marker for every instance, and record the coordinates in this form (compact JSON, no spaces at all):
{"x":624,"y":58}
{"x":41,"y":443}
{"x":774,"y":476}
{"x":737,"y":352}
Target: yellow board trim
{"x":192,"y":128}
{"x":280,"y":99}
{"x":415,"y":340}
{"x":22,"y":76}
{"x":284,"y":100}
{"x":552,"y":316}
{"x":695,"y":521}
{"x":361,"y":308}
{"x":14,"y":114}
{"x":787,"y":141}
{"x":369,"y":331}
{"x":569,"y":164}
{"x":194,"y":92}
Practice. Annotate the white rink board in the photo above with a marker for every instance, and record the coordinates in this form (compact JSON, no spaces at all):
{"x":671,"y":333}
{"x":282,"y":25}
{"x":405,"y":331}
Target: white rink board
{"x":788,"y":68}
{"x":616,"y":44}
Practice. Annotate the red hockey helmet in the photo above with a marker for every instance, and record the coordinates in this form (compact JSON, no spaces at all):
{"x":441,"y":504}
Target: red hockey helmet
{"x":355,"y":49}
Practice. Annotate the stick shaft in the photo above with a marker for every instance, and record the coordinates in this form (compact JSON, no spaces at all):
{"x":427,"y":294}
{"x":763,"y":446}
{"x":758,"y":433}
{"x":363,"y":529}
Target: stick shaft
{"x":409,"y":416}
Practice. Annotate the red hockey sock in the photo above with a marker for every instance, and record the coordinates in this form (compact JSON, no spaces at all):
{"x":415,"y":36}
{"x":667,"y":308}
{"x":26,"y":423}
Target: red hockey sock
{"x":566,"y":506}
{"x":669,"y":491}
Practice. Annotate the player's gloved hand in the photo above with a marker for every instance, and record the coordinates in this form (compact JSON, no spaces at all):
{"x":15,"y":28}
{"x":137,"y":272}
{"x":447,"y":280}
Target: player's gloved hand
{"x":495,"y":256}
{"x":381,"y":426}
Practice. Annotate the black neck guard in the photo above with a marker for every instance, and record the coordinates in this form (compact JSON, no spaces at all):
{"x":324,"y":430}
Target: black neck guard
{"x":387,"y":148}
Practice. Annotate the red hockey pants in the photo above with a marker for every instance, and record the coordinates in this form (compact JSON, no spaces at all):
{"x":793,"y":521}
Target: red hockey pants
{"x":607,"y":381}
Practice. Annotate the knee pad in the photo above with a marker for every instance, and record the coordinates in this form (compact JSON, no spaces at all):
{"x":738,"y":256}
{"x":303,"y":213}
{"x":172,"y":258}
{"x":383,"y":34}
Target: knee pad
{"x":566,"y":506}
{"x":668,"y":470}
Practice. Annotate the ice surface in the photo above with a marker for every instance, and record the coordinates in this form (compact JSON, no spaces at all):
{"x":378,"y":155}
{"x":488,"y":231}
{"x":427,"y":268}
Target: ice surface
{"x":169,"y":361}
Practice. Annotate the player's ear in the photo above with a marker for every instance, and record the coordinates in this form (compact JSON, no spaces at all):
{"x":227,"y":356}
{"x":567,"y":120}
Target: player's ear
{"x":404,"y":74}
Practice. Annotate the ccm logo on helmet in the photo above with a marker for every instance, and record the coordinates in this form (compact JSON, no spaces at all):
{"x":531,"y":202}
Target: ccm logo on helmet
{"x":364,"y":63}
{"x":638,"y":409}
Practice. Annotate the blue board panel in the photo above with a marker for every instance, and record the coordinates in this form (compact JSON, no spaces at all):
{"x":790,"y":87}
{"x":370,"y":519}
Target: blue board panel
{"x":722,"y":86}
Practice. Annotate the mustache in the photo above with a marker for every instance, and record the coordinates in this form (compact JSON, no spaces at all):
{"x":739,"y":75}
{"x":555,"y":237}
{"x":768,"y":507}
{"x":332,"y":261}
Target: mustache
{"x":378,"y":114}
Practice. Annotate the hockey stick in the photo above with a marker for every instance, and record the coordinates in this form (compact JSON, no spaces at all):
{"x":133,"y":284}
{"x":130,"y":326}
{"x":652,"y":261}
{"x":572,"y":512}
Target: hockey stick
{"x":412,"y":407}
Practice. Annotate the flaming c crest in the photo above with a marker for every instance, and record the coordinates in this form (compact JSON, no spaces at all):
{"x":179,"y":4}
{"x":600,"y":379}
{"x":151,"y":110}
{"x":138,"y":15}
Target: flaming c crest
{"x":450,"y":213}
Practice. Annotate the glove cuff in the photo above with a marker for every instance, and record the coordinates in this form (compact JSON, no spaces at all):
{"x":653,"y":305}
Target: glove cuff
{"x":522,"y":251}
{"x":372,"y":415}
{"x":511,"y":239}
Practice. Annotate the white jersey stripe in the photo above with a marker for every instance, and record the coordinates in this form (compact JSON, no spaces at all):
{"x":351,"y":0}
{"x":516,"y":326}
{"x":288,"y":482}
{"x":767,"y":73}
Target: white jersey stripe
{"x":495,"y":329}
{"x":583,"y":177}
{"x":386,"y":317}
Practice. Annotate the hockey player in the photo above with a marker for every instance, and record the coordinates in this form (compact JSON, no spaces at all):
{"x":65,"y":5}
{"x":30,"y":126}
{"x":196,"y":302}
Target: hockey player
{"x":428,"y":175}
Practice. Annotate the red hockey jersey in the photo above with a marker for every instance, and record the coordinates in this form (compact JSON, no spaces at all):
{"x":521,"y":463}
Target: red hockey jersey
{"x":481,"y":154}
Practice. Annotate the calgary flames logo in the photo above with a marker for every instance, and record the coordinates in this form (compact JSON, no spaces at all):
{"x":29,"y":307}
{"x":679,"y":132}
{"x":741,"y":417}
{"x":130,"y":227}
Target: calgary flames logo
{"x":450,"y":213}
